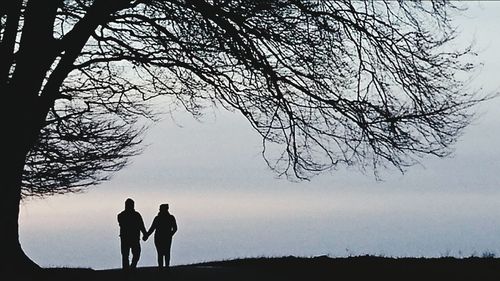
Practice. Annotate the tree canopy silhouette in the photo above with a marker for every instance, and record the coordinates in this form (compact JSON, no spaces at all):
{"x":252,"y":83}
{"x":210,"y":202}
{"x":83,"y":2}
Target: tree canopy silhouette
{"x":332,"y":83}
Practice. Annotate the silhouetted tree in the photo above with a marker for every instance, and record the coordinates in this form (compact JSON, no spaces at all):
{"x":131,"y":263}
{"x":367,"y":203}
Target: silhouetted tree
{"x":366,"y":83}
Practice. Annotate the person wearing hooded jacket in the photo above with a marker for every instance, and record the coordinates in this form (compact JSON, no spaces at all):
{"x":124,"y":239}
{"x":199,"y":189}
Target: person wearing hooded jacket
{"x":164,"y":227}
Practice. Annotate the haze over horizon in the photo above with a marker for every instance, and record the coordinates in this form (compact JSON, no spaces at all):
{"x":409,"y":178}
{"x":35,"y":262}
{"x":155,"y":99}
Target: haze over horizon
{"x":228,"y":204}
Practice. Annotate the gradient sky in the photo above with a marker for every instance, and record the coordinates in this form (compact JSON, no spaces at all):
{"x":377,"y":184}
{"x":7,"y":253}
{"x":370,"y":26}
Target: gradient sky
{"x":228,"y":204}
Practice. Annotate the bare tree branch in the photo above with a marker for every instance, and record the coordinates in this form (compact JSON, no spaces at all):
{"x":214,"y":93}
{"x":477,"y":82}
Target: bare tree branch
{"x":330,"y":83}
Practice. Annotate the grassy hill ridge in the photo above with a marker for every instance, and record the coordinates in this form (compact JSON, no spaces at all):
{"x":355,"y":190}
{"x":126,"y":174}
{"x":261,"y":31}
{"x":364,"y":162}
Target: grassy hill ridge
{"x":297,"y":268}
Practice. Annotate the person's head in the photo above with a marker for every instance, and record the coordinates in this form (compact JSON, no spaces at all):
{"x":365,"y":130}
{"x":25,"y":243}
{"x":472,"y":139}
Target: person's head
{"x":129,"y":204}
{"x":163,"y":208}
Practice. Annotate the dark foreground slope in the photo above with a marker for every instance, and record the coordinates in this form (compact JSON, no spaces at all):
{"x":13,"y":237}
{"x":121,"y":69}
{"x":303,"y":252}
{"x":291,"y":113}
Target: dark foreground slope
{"x":300,"y":269}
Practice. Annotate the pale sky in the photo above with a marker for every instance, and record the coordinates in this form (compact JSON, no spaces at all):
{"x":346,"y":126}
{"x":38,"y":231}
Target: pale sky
{"x":229,"y":204}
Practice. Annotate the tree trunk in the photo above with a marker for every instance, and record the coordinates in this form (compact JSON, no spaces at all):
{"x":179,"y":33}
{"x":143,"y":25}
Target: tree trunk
{"x":23,"y":115}
{"x":21,"y":131}
{"x":14,"y":258}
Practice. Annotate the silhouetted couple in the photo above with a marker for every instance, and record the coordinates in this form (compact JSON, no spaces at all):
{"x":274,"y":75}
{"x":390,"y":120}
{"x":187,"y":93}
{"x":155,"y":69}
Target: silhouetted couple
{"x":131,"y":225}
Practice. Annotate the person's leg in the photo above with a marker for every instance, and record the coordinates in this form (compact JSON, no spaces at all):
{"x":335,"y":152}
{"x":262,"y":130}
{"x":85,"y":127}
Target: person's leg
{"x":159,"y":257}
{"x":168,"y":246}
{"x":136,"y":254}
{"x":160,"y":251}
{"x":167,"y":259}
{"x":125,"y":250}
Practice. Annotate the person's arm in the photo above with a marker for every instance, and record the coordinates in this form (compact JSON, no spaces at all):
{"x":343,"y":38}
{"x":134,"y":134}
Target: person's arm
{"x":174,"y":226}
{"x":142,"y":226}
{"x":152,"y":228}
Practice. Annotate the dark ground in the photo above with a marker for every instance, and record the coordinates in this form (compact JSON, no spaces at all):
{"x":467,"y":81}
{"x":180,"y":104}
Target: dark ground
{"x":295,"y":268}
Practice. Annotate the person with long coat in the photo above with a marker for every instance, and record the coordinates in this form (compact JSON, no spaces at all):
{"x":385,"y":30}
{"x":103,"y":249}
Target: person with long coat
{"x":164,"y":227}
